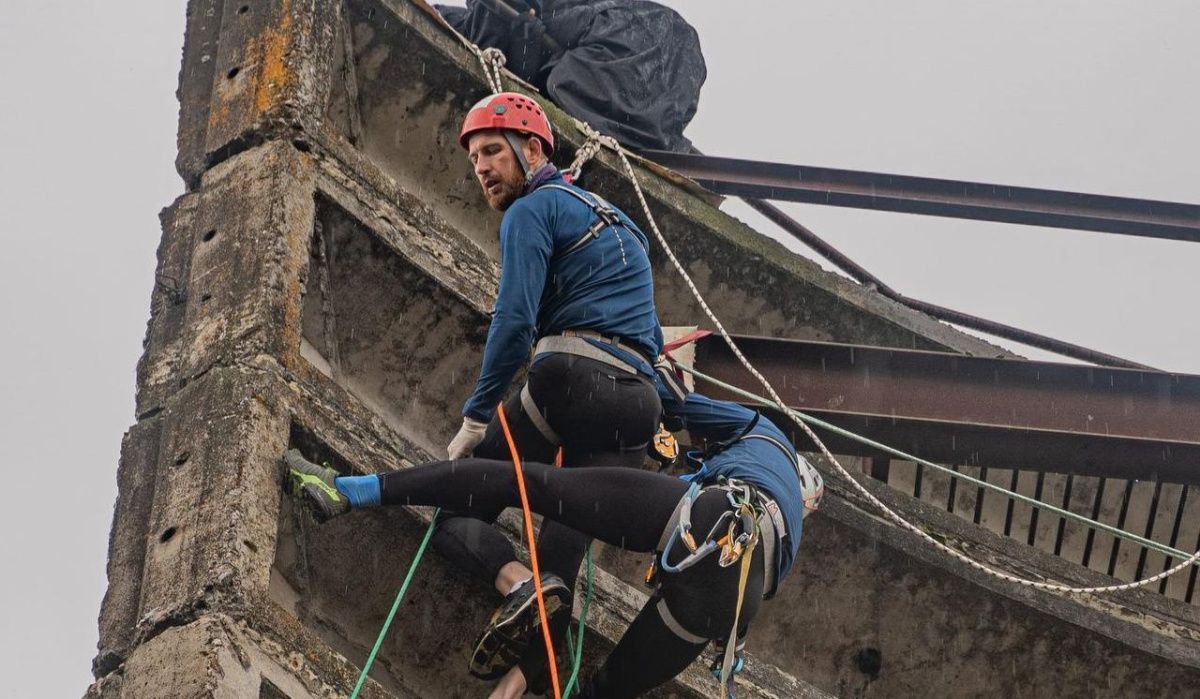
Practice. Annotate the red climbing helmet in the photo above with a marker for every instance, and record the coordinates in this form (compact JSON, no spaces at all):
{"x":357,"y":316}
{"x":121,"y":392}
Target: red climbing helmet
{"x":508,"y":110}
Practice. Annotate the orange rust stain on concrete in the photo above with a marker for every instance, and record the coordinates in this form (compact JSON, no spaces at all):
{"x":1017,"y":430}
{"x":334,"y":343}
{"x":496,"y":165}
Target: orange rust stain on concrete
{"x":218,"y":112}
{"x":267,"y":53}
{"x":274,"y":74}
{"x":297,"y":214}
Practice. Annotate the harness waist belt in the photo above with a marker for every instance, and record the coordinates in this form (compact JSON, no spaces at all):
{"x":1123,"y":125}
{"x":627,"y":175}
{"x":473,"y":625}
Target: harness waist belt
{"x":574,"y":342}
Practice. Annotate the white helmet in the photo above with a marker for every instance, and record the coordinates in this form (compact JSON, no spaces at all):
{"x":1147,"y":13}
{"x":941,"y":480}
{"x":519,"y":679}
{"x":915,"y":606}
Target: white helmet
{"x":812,"y":486}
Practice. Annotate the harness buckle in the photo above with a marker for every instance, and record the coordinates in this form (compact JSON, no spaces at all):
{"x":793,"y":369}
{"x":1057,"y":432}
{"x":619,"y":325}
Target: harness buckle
{"x":609,"y":216}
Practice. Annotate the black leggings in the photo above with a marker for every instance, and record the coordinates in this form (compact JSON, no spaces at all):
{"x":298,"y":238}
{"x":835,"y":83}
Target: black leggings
{"x":620,"y":506}
{"x":603,"y":416}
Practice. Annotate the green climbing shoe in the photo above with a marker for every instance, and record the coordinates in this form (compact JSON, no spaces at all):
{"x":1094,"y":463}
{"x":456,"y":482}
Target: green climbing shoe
{"x":315,"y":485}
{"x":515,"y":625}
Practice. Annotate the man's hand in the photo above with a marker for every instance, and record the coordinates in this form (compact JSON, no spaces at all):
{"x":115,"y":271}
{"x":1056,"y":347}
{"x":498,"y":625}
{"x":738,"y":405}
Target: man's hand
{"x":469,"y":436}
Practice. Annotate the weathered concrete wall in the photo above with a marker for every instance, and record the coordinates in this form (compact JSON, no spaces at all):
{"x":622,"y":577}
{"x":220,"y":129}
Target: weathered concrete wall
{"x":225,"y":386}
{"x":325,"y":284}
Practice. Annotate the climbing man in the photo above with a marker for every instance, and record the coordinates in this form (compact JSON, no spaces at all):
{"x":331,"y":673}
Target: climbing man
{"x":723,"y":541}
{"x":576,"y":286}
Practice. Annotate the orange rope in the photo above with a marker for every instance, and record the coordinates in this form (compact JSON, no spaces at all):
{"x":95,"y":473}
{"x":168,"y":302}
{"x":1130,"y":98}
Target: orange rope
{"x":533,"y":559}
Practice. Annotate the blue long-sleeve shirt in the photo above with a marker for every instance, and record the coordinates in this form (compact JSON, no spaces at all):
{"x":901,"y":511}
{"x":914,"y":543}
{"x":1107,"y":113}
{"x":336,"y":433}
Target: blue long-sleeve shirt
{"x":754,"y":461}
{"x":605,"y":286}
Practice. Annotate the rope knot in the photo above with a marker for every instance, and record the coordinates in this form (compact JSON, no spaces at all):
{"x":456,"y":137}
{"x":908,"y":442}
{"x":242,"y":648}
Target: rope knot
{"x":495,"y":56}
{"x":594,"y":141}
{"x":492,"y":59}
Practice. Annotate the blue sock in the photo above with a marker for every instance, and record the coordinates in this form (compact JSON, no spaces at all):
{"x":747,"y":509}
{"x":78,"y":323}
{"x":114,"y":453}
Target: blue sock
{"x":361,"y":491}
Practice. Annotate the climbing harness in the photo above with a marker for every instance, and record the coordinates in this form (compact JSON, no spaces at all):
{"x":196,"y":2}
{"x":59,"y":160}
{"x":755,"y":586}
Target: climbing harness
{"x":574,"y":342}
{"x":734,"y":536}
{"x":531,"y":409}
{"x":533,"y":559}
{"x":581,"y":342}
{"x":739,"y":526}
{"x":670,"y":377}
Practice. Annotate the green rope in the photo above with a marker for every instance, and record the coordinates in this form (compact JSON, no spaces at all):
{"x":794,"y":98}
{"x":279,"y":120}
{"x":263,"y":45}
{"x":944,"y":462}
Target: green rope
{"x":1086,"y":521}
{"x":412,"y":569}
{"x":578,"y":645}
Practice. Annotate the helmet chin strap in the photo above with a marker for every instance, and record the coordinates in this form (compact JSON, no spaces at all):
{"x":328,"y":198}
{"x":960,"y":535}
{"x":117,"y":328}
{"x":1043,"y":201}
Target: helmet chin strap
{"x":515,"y":143}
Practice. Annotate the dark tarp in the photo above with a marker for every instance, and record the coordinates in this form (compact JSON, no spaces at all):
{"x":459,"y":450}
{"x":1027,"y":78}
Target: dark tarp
{"x":631,"y":68}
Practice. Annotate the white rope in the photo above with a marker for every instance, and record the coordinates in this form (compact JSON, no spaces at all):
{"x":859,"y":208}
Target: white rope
{"x":595,"y":141}
{"x":590,"y":148}
{"x":492,"y":60}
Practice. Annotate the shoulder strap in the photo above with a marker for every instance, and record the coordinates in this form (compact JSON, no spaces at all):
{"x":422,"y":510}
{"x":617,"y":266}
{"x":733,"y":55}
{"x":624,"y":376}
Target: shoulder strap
{"x":594,"y":206}
{"x":606,"y":214}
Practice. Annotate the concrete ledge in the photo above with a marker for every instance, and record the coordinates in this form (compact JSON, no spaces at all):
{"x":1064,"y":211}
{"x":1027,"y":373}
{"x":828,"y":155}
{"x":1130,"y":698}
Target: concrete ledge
{"x":218,"y":657}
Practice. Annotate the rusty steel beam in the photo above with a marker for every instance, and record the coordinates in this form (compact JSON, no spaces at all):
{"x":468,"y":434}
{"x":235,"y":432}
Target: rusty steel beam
{"x":935,"y":197}
{"x":864,"y":277}
{"x":1005,"y":413}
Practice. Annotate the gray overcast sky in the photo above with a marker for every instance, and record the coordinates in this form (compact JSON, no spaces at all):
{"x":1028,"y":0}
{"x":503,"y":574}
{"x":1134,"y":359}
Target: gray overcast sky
{"x":1095,"y":96}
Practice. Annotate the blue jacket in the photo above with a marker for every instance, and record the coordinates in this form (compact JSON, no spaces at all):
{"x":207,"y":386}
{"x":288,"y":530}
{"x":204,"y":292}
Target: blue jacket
{"x":754,"y":461}
{"x":605,"y":286}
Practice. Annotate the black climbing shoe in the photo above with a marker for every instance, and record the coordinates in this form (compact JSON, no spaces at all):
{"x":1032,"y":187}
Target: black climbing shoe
{"x":315,"y":486}
{"x":516,"y":624}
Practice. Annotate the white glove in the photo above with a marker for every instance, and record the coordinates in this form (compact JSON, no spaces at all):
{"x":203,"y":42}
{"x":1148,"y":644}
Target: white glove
{"x":469,"y":436}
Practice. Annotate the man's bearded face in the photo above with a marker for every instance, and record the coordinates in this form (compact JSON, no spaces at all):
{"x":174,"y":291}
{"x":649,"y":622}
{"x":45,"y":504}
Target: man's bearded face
{"x":497,"y":169}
